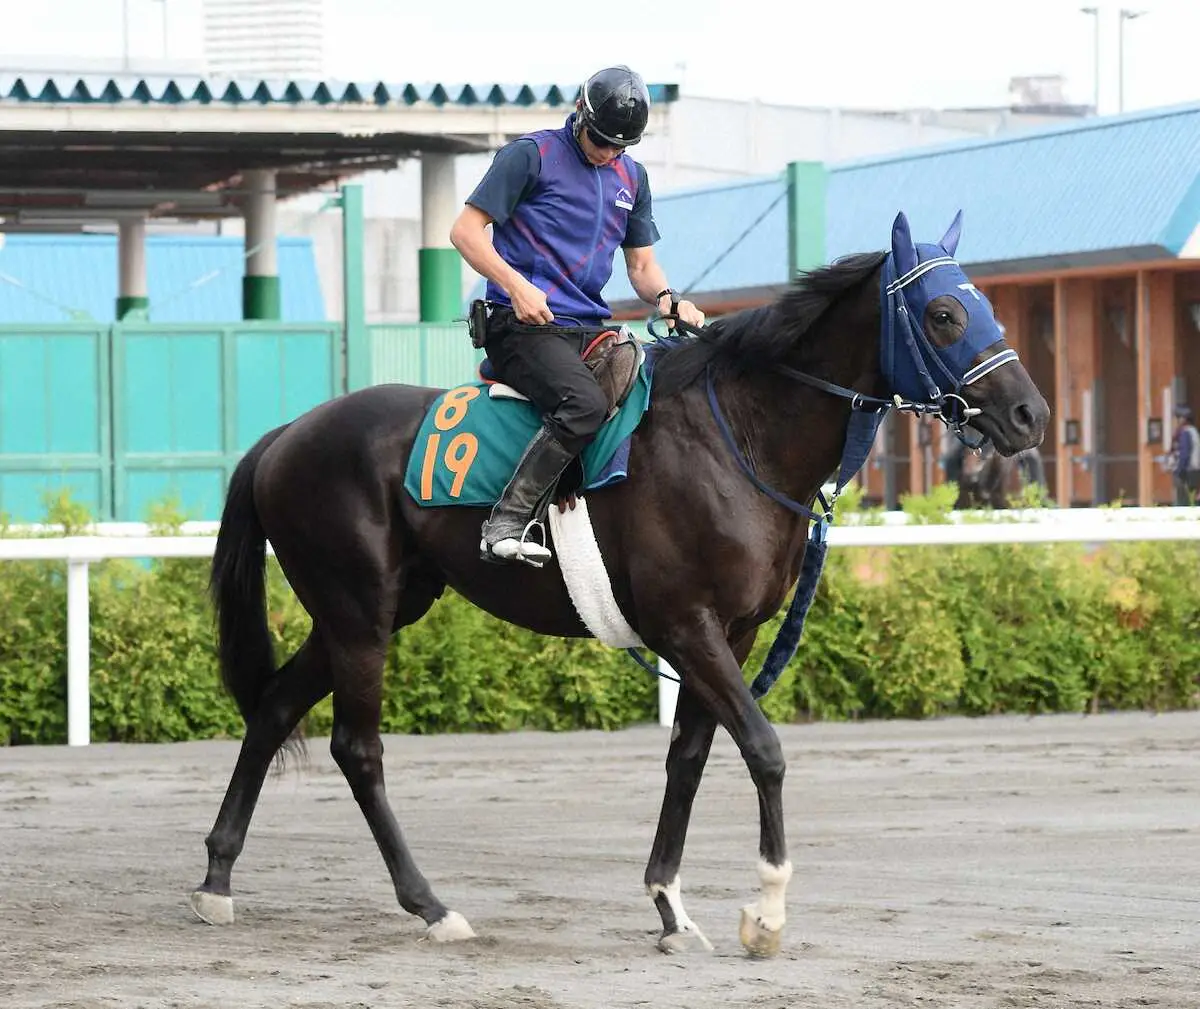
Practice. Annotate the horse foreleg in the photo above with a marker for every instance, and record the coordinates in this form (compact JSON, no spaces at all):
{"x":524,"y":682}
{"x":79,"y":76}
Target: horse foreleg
{"x":691,"y":740}
{"x":709,"y":668}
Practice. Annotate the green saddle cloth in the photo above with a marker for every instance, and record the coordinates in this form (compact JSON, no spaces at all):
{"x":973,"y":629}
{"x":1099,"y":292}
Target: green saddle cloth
{"x":469,"y":445}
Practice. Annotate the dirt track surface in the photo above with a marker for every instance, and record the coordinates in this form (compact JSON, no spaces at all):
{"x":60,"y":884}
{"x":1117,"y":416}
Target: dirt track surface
{"x":1010,"y":862}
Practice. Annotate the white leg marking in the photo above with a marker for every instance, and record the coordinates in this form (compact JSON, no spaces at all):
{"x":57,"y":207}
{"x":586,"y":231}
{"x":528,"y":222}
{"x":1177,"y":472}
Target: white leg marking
{"x":675,"y":899}
{"x":452,"y":928}
{"x":761,"y":929}
{"x":771,"y":912}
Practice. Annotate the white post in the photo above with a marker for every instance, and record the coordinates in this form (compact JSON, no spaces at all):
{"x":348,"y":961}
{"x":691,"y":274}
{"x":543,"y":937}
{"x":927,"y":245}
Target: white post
{"x":439,"y":267}
{"x":439,"y":206}
{"x":261,"y":212}
{"x":79,"y":706}
{"x":668,"y":694}
{"x":260,"y":285}
{"x":132,"y":292}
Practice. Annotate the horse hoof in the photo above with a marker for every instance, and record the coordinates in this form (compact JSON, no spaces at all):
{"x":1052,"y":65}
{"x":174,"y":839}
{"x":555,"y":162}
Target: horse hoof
{"x":688,"y":941}
{"x":212,"y":908}
{"x":758,"y":940}
{"x":453,"y":928}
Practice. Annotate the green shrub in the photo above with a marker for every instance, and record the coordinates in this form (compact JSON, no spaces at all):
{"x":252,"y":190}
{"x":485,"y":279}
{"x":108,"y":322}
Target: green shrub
{"x":909,"y":632}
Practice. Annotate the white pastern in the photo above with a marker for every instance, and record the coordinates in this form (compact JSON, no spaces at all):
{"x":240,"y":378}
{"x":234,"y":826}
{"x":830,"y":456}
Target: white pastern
{"x":675,"y":899}
{"x":771,"y":911}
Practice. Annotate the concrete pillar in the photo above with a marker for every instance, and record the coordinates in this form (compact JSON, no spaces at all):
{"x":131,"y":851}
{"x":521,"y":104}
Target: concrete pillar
{"x":873,"y":472}
{"x":354,"y":291}
{"x":260,"y":286}
{"x":1006,"y":304}
{"x":1158,"y":365}
{"x":1064,"y":470}
{"x":921,"y":461}
{"x":1081,"y":403}
{"x":438,"y":263}
{"x":132,"y":299}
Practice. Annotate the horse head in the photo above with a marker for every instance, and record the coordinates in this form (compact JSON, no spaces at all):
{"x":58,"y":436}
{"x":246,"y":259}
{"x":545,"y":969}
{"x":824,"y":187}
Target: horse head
{"x":942,"y":343}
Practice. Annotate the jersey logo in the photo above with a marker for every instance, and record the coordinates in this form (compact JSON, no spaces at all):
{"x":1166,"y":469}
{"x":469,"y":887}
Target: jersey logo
{"x":624,"y":199}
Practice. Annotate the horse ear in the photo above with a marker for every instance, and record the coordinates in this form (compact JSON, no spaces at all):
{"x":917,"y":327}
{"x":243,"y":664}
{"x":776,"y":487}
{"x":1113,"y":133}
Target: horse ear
{"x":903,"y":251}
{"x":949,"y":241}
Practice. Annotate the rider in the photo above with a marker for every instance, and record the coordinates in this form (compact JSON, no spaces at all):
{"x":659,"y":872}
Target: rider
{"x":560,"y":202}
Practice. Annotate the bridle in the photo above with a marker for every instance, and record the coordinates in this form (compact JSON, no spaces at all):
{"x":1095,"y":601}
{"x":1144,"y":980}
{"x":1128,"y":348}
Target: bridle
{"x":899,"y":330}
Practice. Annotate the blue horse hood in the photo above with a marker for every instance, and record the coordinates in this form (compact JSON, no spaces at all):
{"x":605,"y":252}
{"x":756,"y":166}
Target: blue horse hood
{"x":913,"y":276}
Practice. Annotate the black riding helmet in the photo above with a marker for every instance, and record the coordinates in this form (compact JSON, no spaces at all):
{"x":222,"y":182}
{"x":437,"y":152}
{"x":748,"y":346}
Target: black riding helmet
{"x":614,"y":103}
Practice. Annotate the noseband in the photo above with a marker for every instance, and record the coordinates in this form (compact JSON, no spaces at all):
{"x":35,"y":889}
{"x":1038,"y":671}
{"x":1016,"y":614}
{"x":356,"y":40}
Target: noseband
{"x":913,"y":372}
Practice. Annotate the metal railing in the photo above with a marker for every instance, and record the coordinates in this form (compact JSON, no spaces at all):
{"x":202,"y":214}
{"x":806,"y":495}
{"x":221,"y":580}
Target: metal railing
{"x":133,"y":540}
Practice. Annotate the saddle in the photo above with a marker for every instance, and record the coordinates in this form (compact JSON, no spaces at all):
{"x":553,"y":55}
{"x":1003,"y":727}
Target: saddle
{"x":614,"y":357}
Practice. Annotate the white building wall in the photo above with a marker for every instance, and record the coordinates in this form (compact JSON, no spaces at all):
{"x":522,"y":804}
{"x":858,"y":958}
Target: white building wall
{"x":708,"y":141}
{"x":265,"y":38}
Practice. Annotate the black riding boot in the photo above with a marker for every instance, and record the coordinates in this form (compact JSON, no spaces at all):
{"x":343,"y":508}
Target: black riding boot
{"x":506,"y":533}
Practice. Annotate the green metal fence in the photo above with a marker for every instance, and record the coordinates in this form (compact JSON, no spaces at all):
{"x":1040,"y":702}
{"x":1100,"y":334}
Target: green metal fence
{"x":187,"y":401}
{"x":430,"y":354}
{"x":126,"y":415}
{"x":55,"y":422}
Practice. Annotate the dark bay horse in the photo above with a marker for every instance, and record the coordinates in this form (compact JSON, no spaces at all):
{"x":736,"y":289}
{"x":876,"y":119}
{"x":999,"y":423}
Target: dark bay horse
{"x":698,"y":555}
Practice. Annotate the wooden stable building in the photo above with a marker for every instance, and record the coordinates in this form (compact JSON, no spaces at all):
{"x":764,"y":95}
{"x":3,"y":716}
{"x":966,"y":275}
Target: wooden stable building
{"x":1086,"y":239}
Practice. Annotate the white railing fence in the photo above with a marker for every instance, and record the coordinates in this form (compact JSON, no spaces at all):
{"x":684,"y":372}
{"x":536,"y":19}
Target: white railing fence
{"x":134,"y":540}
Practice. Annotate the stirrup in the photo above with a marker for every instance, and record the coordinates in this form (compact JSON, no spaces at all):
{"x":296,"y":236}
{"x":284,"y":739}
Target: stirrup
{"x":524,"y":550}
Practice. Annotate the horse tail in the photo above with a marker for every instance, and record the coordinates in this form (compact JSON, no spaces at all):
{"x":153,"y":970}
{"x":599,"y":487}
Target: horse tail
{"x":238,"y":587}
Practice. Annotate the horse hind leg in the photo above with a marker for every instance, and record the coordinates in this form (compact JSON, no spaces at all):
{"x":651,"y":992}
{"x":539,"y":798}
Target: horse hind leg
{"x":358,"y":750}
{"x":302,"y":681}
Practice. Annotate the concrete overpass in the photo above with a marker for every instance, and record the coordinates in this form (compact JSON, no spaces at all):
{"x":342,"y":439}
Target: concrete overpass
{"x":76,"y":149}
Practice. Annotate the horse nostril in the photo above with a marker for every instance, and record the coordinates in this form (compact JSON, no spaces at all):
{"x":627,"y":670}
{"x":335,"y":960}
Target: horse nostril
{"x":1022,"y":418}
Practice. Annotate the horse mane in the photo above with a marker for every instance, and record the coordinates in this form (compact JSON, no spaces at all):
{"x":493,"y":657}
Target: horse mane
{"x":757,"y":338}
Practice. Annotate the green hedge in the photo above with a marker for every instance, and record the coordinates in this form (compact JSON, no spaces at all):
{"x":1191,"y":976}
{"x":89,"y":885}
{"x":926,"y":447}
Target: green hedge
{"x":914,"y":632}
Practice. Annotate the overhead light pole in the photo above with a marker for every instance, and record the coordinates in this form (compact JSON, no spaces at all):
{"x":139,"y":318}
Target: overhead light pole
{"x":125,"y":35}
{"x":1095,"y":15}
{"x":1126,"y":15}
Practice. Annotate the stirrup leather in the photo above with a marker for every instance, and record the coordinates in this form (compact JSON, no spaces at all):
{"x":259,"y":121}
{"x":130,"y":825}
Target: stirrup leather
{"x":507,"y":533}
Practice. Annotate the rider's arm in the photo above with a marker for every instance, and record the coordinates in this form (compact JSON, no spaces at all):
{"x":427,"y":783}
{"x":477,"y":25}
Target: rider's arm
{"x":646,"y":275}
{"x":510,"y":178}
{"x":469,"y":236}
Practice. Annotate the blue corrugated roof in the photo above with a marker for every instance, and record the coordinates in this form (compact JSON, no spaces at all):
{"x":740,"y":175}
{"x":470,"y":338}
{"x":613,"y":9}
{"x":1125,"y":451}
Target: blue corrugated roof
{"x":64,"y":87}
{"x":51,"y":278}
{"x":1102,"y":190}
{"x":719,"y":238}
{"x":1105,"y":189}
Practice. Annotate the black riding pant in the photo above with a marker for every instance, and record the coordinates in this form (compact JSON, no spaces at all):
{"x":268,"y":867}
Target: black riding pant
{"x":545,"y":364}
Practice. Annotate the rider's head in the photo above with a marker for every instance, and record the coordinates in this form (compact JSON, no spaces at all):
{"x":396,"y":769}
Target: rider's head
{"x":612,"y":110}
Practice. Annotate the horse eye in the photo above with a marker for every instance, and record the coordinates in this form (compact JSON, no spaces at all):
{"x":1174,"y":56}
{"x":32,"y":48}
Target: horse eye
{"x":942,"y":318}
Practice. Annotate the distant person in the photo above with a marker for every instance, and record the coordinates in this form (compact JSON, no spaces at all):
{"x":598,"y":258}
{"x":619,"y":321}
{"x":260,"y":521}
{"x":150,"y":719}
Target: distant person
{"x":1184,"y":458}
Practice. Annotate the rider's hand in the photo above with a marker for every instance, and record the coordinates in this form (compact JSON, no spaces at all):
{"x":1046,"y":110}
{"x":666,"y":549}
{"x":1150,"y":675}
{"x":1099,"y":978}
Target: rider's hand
{"x":688,"y":312}
{"x":529,"y":305}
